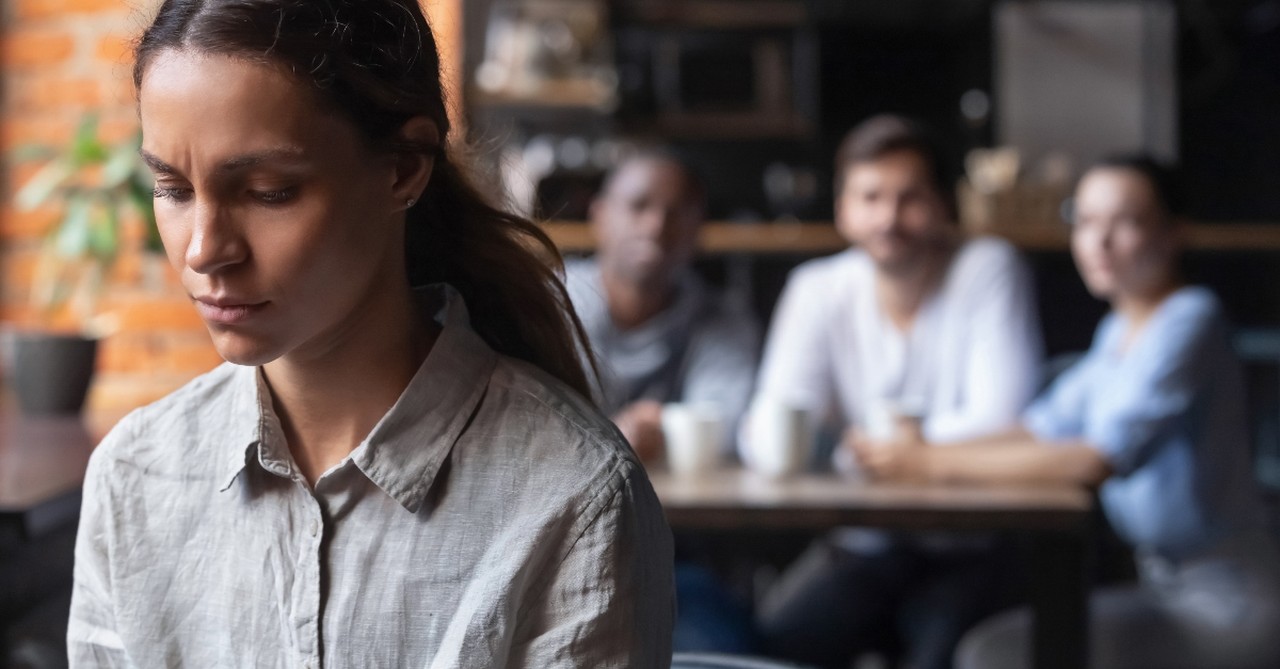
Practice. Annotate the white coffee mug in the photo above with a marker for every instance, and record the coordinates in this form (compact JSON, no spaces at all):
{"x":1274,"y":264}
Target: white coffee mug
{"x":880,"y":420}
{"x":884,"y":419}
{"x":695,"y":437}
{"x":782,"y":436}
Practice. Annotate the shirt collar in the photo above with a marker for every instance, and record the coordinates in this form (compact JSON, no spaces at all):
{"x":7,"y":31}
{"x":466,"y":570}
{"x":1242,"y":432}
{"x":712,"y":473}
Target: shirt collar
{"x":251,"y":424}
{"x":404,"y":452}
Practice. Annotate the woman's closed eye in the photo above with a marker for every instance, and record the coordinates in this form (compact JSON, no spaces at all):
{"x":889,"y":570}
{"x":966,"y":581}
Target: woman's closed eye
{"x":174,"y":193}
{"x":274,"y":196}
{"x":265,"y":196}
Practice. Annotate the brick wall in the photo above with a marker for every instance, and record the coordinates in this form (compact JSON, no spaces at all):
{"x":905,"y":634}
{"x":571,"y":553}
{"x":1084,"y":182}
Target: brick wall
{"x":58,"y":60}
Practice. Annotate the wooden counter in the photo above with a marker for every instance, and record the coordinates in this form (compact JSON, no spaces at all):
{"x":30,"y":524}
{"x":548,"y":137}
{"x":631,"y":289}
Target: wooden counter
{"x":736,"y":499}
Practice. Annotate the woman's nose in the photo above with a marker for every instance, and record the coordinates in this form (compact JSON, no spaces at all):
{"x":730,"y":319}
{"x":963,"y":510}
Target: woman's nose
{"x":1106,"y":237}
{"x":215,"y":242}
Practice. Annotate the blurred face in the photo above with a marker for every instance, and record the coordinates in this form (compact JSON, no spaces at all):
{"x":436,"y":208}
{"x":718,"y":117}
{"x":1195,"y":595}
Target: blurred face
{"x":646,"y":222}
{"x":890,"y":208}
{"x":1122,"y":243}
{"x":281,"y":224}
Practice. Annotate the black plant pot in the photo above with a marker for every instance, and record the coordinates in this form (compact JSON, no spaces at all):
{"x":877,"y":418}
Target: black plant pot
{"x":50,"y":373}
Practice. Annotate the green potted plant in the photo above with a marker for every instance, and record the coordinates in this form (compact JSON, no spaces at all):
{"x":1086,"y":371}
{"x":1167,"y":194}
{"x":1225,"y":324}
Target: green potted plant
{"x":96,"y":186}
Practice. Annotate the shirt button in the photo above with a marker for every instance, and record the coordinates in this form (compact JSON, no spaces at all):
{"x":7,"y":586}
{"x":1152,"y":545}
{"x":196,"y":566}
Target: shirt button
{"x":315,"y":529}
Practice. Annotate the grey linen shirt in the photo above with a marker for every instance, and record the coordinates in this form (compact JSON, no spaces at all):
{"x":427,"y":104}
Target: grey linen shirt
{"x":492,"y":518}
{"x":702,"y":349}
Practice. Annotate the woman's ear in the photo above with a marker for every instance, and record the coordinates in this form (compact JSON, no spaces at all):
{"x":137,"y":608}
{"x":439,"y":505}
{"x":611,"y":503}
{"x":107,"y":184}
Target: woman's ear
{"x":413,"y":168}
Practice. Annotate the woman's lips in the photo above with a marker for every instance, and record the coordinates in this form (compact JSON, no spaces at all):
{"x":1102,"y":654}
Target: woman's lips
{"x":227,"y":313}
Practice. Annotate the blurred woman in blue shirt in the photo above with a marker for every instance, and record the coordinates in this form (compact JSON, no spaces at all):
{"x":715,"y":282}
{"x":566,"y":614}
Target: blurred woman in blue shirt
{"x":1154,"y":415}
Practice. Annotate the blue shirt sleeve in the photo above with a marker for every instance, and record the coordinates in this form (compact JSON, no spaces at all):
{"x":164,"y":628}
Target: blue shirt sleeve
{"x":1124,"y":403}
{"x":1159,"y":381}
{"x":1058,"y":414}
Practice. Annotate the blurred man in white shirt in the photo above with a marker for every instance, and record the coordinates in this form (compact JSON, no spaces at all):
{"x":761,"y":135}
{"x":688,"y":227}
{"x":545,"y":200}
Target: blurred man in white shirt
{"x":917,"y":335}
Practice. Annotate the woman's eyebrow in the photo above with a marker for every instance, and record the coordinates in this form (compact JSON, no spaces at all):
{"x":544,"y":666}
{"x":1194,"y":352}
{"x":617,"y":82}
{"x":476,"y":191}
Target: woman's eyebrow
{"x":158,"y":166}
{"x":280,"y":155}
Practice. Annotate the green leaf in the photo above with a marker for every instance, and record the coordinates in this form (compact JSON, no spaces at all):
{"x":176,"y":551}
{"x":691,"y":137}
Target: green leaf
{"x":86,"y":148}
{"x":26,"y":153}
{"x":104,"y":233}
{"x":142,"y":195}
{"x":71,"y":238}
{"x":47,"y":181}
{"x":121,"y":165}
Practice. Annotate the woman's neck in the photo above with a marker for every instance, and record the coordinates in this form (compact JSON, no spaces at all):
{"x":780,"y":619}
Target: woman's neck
{"x":328,"y":400}
{"x":1136,"y":309}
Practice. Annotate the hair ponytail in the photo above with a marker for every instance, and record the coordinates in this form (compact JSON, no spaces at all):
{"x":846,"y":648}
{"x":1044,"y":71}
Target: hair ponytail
{"x":517,"y":301}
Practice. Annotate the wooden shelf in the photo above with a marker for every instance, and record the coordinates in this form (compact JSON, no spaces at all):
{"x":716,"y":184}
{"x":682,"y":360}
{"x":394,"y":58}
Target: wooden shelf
{"x":721,"y":238}
{"x":1198,"y":237}
{"x":820,"y":238}
{"x":552,"y":94}
{"x":724,"y":14}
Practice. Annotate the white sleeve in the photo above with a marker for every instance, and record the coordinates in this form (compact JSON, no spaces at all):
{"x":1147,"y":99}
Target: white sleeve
{"x":1002,"y":359}
{"x":796,"y":369}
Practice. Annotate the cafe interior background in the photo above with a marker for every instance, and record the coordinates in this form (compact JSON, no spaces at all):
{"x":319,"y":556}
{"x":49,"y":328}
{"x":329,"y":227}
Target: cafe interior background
{"x":755,"y":94}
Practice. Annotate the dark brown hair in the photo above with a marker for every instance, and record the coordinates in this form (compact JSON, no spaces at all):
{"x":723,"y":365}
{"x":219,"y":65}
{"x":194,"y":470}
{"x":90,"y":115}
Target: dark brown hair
{"x":881,"y":135}
{"x":1162,"y":177}
{"x":695,"y":186}
{"x":375,"y":63}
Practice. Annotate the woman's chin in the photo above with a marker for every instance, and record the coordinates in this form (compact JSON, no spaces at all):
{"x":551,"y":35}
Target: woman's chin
{"x":237,"y":351}
{"x":1105,"y":291}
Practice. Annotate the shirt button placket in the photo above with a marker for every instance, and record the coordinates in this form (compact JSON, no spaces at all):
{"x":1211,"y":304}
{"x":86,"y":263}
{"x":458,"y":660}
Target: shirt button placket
{"x":308,"y":606}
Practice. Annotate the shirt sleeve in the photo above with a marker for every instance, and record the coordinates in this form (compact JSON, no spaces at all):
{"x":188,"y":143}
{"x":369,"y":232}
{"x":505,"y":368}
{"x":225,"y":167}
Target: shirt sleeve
{"x":1160,"y":384}
{"x":796,"y":368}
{"x":611,"y":602}
{"x":1002,"y":359}
{"x":92,"y":637}
{"x":722,"y":366}
{"x":1058,"y":414}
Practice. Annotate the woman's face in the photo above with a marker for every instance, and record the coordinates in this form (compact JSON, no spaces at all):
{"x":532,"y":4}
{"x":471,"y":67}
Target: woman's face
{"x":1121,"y":238}
{"x":285,"y":228}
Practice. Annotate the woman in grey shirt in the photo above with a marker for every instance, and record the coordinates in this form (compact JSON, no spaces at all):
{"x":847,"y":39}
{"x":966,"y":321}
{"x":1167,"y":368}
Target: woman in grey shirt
{"x":396,"y":467}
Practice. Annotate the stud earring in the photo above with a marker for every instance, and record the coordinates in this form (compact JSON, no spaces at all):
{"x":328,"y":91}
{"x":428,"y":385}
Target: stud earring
{"x":411,"y":202}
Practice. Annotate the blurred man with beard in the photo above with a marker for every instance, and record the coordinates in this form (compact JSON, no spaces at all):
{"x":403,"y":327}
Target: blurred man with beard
{"x":915,"y":335}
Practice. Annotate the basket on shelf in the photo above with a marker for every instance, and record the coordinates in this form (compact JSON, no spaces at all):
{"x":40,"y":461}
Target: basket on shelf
{"x":1017,"y":209}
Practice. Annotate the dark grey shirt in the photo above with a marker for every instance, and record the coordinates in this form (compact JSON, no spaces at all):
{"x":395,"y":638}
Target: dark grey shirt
{"x":491,"y":519}
{"x":702,"y":349}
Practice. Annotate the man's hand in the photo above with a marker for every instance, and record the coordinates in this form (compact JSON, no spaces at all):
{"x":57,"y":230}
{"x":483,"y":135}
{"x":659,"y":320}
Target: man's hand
{"x":641,"y":423}
{"x":905,"y":458}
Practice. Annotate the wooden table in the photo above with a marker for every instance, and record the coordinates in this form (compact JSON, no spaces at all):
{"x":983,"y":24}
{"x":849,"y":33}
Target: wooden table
{"x":42,"y":465}
{"x":1059,"y":519}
